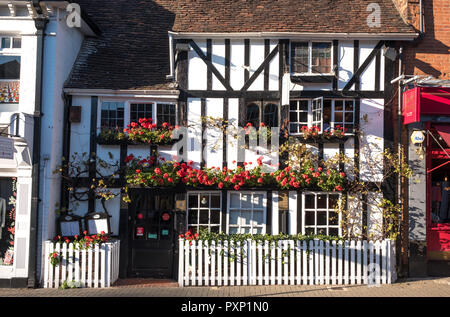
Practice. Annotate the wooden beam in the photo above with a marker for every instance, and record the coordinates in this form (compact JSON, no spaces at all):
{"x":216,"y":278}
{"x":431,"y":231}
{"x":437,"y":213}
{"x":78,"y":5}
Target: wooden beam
{"x":210,"y":65}
{"x":364,"y":65}
{"x":261,"y":67}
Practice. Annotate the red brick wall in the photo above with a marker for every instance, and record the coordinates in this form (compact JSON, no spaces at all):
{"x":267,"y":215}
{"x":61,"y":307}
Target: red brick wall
{"x":430,"y":55}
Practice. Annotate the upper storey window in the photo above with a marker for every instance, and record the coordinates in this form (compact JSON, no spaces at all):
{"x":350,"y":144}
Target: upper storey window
{"x":9,"y":69}
{"x":311,"y":57}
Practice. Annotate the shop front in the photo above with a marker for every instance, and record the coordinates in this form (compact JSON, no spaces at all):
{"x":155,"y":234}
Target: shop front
{"x":426,"y":112}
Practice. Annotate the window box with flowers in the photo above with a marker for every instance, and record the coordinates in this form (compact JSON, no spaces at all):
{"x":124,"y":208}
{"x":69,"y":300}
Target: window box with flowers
{"x":148,"y":173}
{"x":141,"y":132}
{"x":332,"y":135}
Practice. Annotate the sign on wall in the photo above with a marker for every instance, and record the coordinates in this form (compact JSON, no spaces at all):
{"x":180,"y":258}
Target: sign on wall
{"x":6,"y":148}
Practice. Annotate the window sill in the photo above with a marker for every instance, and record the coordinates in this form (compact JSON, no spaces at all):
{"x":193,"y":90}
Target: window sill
{"x":312,"y":78}
{"x":129,"y":142}
{"x":322,"y":139}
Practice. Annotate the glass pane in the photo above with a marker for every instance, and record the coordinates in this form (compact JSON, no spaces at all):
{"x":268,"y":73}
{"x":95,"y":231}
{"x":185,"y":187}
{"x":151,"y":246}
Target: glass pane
{"x":322,"y":231}
{"x":246,"y":217}
{"x":303,"y":117}
{"x":204,"y":200}
{"x":332,"y":201}
{"x":322,"y":201}
{"x":333,"y":218}
{"x":349,"y":117}
{"x":257,"y":201}
{"x":258,"y":218}
{"x":253,"y":114}
{"x":235,"y":201}
{"x":333,"y":232}
{"x":338,"y":118}
{"x":215,"y":229}
{"x":300,"y":57}
{"x":204,"y":216}
{"x":338,"y":105}
{"x":321,"y":218}
{"x":245,"y":230}
{"x":309,"y":231}
{"x":6,"y":42}
{"x":321,"y":57}
{"x":246,"y":200}
{"x":293,"y":128}
{"x":309,"y":202}
{"x":303,"y":105}
{"x":215,"y":201}
{"x":257,"y":230}
{"x":193,"y":201}
{"x":9,"y":68}
{"x":293,"y":105}
{"x":293,"y":117}
{"x":234,"y":215}
{"x":215,"y":216}
{"x":349,"y":105}
{"x":17,"y":42}
{"x":233,"y":230}
{"x":271,"y":115}
{"x":310,"y":218}
{"x":193,"y":216}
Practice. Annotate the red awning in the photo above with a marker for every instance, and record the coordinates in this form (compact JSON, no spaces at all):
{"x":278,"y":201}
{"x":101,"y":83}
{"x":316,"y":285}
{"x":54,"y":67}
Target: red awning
{"x":444,"y":132}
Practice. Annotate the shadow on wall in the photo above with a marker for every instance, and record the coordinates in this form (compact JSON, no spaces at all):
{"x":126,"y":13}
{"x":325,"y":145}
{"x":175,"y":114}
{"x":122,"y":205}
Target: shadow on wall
{"x":428,"y":45}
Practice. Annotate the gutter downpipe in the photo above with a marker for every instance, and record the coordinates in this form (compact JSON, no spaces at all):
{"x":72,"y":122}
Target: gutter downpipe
{"x":40,"y":23}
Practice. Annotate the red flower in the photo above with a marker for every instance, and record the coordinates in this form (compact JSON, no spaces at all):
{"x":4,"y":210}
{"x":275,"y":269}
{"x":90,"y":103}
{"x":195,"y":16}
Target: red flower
{"x":236,"y":187}
{"x":138,"y":171}
{"x":338,"y":188}
{"x":220,"y":185}
{"x":260,"y":180}
{"x":157,"y":170}
{"x":342,"y":174}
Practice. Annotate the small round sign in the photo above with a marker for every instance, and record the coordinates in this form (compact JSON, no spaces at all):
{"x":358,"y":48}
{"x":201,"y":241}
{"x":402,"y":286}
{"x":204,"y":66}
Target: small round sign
{"x":417,"y":137}
{"x":165,"y":216}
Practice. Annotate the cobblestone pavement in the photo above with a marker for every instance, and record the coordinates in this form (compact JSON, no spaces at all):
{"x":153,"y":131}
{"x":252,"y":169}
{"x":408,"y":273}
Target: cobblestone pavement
{"x":429,"y":287}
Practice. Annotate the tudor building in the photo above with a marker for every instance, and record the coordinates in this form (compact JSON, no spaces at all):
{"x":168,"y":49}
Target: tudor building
{"x":286,"y":64}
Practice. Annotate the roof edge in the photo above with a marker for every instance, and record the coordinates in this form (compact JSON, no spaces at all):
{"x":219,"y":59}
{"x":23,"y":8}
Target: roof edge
{"x":300,"y":35}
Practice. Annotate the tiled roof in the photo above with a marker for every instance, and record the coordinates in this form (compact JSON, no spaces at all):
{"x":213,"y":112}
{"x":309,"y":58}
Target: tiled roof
{"x":132,"y":51}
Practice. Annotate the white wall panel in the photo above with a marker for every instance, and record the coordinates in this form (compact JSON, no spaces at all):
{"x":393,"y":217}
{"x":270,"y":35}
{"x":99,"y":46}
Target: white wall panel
{"x":349,"y":152}
{"x":371,"y":139}
{"x":218,"y":60}
{"x":109,"y":154}
{"x":197,"y":68}
{"x":232,"y":144}
{"x":330,"y":150}
{"x":194,"y":131}
{"x":374,"y":215}
{"x":367,"y":77}
{"x":214,"y":137}
{"x":113,"y":208}
{"x":237,"y":61}
{"x":256,"y":59}
{"x":345,"y":70}
{"x":293,"y":196}
{"x":274,"y":68}
{"x":139,"y":151}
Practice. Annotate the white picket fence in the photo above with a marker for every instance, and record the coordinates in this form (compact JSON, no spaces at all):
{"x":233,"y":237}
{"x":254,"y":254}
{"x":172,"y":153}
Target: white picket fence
{"x":94,"y":267}
{"x":286,"y":262}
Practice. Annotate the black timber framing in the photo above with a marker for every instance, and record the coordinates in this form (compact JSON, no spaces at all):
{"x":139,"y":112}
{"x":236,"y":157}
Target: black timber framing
{"x":261,"y":67}
{"x":209,"y":65}
{"x":203,"y":114}
{"x":64,"y":199}
{"x":93,"y":151}
{"x":266,"y":67}
{"x":209,"y":70}
{"x":356,"y":75}
{"x":299,"y":210}
{"x":269,"y":212}
{"x":335,"y":64}
{"x":246,"y":59}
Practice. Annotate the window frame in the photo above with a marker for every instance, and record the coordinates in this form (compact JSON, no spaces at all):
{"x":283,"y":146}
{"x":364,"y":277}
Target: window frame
{"x":316,"y":209}
{"x":310,"y":73}
{"x":12,"y":52}
{"x":127,"y":109}
{"x":198,"y":224}
{"x":261,"y":104}
{"x":239,"y":224}
{"x":333,"y":123}
{"x":99,"y":113}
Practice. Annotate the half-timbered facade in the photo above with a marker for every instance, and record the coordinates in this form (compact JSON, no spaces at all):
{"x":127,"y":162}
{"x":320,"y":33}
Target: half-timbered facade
{"x":266,"y":63}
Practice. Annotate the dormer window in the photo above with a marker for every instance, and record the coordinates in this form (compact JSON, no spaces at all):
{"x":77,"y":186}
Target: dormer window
{"x":311,"y":57}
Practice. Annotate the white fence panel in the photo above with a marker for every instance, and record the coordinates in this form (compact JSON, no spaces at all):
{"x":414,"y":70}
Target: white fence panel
{"x":250,"y":262}
{"x":98,"y":267}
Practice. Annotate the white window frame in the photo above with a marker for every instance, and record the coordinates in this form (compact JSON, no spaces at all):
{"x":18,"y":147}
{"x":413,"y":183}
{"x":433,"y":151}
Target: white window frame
{"x":332,"y":119}
{"x":13,"y":52}
{"x":308,"y":116}
{"x":10,"y":49}
{"x":310,"y":73}
{"x":127,"y":109}
{"x":209,"y":208}
{"x":320,"y":108}
{"x":240,"y":225}
{"x":327,"y":209}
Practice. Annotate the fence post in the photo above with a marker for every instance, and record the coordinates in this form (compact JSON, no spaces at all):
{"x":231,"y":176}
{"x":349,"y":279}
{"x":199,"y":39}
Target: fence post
{"x":180,"y":262}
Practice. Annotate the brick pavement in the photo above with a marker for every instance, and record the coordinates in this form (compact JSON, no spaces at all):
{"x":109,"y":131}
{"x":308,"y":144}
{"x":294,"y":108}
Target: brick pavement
{"x":429,"y":287}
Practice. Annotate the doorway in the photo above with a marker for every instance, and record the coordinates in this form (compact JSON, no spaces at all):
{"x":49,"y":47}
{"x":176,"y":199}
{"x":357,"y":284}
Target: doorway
{"x":151,"y":235}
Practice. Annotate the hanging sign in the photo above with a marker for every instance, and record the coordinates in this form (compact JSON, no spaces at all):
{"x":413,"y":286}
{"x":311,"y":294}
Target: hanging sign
{"x":6,"y":148}
{"x":417,"y":137}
